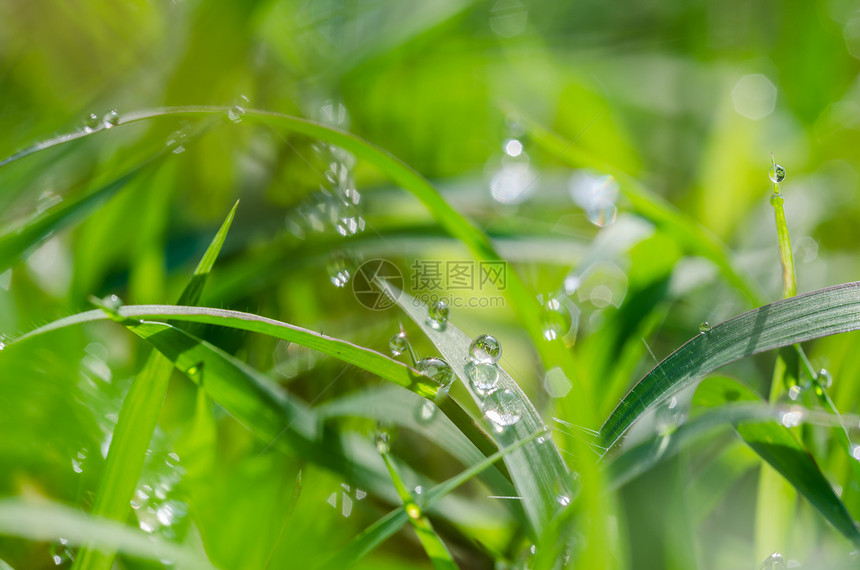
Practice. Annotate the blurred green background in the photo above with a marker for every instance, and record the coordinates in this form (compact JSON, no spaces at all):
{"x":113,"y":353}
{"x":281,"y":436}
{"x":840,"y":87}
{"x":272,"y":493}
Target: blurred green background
{"x":690,"y":98}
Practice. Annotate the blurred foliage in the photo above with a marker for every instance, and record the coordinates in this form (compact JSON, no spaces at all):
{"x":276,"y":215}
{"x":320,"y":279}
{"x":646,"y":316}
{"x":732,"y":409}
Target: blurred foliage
{"x":690,"y":98}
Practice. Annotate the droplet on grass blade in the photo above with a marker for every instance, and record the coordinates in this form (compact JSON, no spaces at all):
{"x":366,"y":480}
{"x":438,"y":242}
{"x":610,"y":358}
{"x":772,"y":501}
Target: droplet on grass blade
{"x":704,"y":328}
{"x":438,"y":315}
{"x":773,"y":562}
{"x":111,"y":119}
{"x":485,"y":349}
{"x":383,"y":442}
{"x":776,"y":173}
{"x":91,"y":123}
{"x":437,"y":369}
{"x":502,"y":408}
{"x":398,"y":344}
{"x":483,"y":376}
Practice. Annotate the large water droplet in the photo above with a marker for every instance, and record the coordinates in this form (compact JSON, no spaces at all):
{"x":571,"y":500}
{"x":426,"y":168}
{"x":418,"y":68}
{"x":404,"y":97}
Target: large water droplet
{"x":483,"y":376}
{"x":91,"y":123}
{"x":502,"y":408}
{"x":383,"y":442}
{"x":437,"y":369}
{"x":398,"y":344}
{"x":438,"y":315}
{"x":776,"y":173}
{"x":111,"y":119}
{"x":485,"y":349}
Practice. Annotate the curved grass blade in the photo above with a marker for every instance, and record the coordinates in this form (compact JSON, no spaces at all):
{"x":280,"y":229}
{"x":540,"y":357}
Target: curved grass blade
{"x":138,"y":418}
{"x":812,"y":315}
{"x":537,"y":470}
{"x":382,"y":529}
{"x":776,"y":444}
{"x":48,"y":521}
{"x":433,"y":545}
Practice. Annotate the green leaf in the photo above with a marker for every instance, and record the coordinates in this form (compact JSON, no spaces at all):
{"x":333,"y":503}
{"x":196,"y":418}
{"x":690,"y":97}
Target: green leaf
{"x":812,"y":315}
{"x":137,"y":420}
{"x":48,"y":521}
{"x":537,"y":470}
{"x":776,"y":444}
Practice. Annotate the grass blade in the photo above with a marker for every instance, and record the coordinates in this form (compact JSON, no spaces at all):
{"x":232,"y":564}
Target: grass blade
{"x":48,"y":521}
{"x":137,"y":420}
{"x":775,"y":444}
{"x":812,"y":315}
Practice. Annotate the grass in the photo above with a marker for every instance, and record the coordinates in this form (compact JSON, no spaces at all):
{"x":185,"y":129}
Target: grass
{"x":559,"y":196}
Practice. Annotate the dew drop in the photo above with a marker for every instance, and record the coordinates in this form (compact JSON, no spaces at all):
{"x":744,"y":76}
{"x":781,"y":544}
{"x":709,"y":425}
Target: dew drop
{"x":425,"y":412}
{"x":419,"y":490}
{"x":704,"y":328}
{"x":438,"y":315}
{"x":795,"y":392}
{"x":91,"y":123}
{"x":825,"y":379}
{"x":776,"y":173}
{"x":338,"y":271}
{"x":236,"y":111}
{"x":483,"y":376}
{"x":776,"y":200}
{"x":502,"y":408}
{"x":78,"y":461}
{"x":773,"y":562}
{"x":61,"y":554}
{"x":563,"y":500}
{"x":485,"y":349}
{"x":110,"y":305}
{"x":437,"y":369}
{"x":383,"y":442}
{"x":2,"y":345}
{"x":398,"y":344}
{"x":111,"y":119}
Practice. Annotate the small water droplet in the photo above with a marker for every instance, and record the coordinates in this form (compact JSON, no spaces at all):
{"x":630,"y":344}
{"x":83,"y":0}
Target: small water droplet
{"x":773,"y":562}
{"x":438,"y":315}
{"x":483,"y":376}
{"x":339,"y":272}
{"x":563,"y":500}
{"x":236,"y":111}
{"x":704,"y":328}
{"x":502,"y":408}
{"x":776,"y":173}
{"x":91,"y":123}
{"x":426,"y":412}
{"x":825,"y":379}
{"x":855,"y":452}
{"x":78,"y":461}
{"x":110,"y":305}
{"x":791,"y":418}
{"x":60,"y":553}
{"x":485,"y":349}
{"x":398,"y":344}
{"x":111,"y":119}
{"x":437,"y":369}
{"x":383,"y":442}
{"x":776,"y":200}
{"x":795,"y":392}
{"x":2,"y":345}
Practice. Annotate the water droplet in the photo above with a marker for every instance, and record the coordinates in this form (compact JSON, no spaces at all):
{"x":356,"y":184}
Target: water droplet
{"x":776,"y":200}
{"x":60,"y":553}
{"x":704,"y":328}
{"x":91,"y":123}
{"x":338,"y":270}
{"x":110,"y":305}
{"x":502,"y":408}
{"x":236,"y":111}
{"x":438,"y":315}
{"x":175,"y":141}
{"x":78,"y":461}
{"x":776,"y":173}
{"x":791,"y":418}
{"x":419,"y":490}
{"x":437,"y":369}
{"x":795,"y":392}
{"x":111,"y":119}
{"x":563,"y":500}
{"x":669,"y":416}
{"x":825,"y":379}
{"x":485,"y":349}
{"x":398,"y":344}
{"x":2,"y":345}
{"x":483,"y":376}
{"x":383,"y":442}
{"x":426,"y":412}
{"x":560,"y":318}
{"x":773,"y":562}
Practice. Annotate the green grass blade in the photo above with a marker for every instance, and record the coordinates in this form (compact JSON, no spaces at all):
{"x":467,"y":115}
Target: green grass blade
{"x":382,"y":529}
{"x":775,"y":444}
{"x":48,"y":521}
{"x":432,"y":543}
{"x":137,"y":420}
{"x":812,"y":315}
{"x":538,"y":472}
{"x":22,"y":239}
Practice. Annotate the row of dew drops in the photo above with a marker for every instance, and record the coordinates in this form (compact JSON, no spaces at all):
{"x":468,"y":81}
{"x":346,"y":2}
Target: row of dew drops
{"x":499,"y":405}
